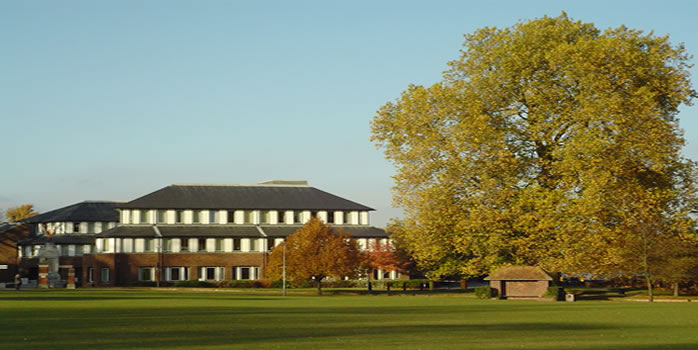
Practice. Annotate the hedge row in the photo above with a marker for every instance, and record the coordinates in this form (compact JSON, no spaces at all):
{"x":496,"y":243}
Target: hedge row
{"x":485,"y":292}
{"x":380,"y":284}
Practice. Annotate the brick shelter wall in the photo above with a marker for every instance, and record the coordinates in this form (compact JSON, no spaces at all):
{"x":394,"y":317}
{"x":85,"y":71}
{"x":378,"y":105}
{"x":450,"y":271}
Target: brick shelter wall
{"x":520,"y":289}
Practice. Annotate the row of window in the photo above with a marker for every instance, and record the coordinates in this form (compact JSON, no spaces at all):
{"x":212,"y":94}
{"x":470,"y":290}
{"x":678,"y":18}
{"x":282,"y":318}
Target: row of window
{"x":147,"y":216}
{"x":205,"y":273}
{"x":185,"y":245}
{"x":173,"y":245}
{"x":63,"y":250}
{"x":74,"y":227}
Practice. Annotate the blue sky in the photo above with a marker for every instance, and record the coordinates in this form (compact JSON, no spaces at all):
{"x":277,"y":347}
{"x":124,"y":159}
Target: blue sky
{"x":113,"y":100}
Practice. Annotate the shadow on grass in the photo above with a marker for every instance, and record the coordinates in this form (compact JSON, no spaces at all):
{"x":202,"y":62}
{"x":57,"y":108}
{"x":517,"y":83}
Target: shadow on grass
{"x":167,"y":327}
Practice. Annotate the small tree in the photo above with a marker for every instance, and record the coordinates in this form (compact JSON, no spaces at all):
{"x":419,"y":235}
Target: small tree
{"x":21,"y":212}
{"x":315,"y":252}
{"x":382,"y":257}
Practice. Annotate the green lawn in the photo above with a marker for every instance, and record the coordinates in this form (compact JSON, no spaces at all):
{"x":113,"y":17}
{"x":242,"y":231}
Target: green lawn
{"x":225,"y":319}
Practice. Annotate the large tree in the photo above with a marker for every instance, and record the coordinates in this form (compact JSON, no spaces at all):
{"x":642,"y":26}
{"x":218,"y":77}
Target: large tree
{"x":314,"y":252}
{"x":527,"y":150}
{"x":20,"y":212}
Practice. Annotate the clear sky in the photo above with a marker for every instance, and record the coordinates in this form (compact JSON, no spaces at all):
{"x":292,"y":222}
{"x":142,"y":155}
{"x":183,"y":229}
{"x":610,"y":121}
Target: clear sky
{"x":116,"y":99}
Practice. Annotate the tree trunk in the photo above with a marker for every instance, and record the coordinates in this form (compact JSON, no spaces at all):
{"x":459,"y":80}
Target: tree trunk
{"x":676,"y":289}
{"x":650,"y":296}
{"x":318,"y":284}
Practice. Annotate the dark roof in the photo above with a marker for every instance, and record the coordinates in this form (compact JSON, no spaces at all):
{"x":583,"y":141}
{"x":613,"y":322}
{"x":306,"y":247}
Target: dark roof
{"x":269,"y":196}
{"x":183,"y":231}
{"x":272,"y":231}
{"x":60,"y":239}
{"x":354,"y":231}
{"x":519,"y":273}
{"x":83,"y":211}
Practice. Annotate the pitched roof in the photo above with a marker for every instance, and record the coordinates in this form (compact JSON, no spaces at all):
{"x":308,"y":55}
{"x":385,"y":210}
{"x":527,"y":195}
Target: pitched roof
{"x":60,"y":239}
{"x":83,"y":211}
{"x":261,"y":196}
{"x":352,"y":230}
{"x":519,"y":273}
{"x":183,"y":231}
{"x":272,"y":231}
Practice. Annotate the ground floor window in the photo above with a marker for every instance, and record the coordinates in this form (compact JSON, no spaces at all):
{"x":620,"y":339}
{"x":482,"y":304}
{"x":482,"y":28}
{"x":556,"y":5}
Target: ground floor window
{"x":91,"y":275}
{"x":211,"y":273}
{"x":146,"y":273}
{"x":175,"y":273}
{"x":385,"y":275}
{"x":105,"y":275}
{"x":245,"y":272}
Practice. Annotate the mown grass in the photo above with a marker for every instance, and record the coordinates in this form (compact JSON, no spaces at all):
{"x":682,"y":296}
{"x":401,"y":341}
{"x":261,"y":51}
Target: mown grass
{"x":136,"y":318}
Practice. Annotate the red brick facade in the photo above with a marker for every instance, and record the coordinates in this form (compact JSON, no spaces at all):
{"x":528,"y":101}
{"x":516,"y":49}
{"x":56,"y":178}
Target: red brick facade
{"x":123,"y":267}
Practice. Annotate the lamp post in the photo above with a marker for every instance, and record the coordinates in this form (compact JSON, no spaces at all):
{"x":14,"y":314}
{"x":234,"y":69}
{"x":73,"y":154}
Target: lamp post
{"x":158,"y":250}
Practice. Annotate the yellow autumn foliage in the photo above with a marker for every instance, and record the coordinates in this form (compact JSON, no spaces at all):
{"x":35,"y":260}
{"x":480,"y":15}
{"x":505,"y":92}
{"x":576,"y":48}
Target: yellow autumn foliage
{"x":540,"y":146}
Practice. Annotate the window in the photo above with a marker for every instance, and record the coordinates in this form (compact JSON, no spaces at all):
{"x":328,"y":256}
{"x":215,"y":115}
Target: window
{"x":297,"y":217}
{"x":330,"y":217}
{"x":245,"y":272}
{"x":76,"y":227}
{"x":249,"y":216}
{"x":78,"y":250}
{"x":211,"y":273}
{"x":254,"y":245}
{"x":146,"y":274}
{"x":266,"y":217}
{"x":236,"y":245}
{"x":313,"y":214}
{"x":168,"y":245}
{"x":270,"y":244}
{"x":144,"y":216}
{"x":202,"y":244}
{"x":184,"y":244}
{"x":196,"y":216}
{"x":219,"y":244}
{"x":90,"y":227}
{"x":281,"y":217}
{"x":162,"y":216}
{"x":213,"y":216}
{"x":148,"y":245}
{"x":175,"y":273}
{"x":179,"y":216}
{"x":347,"y":218}
{"x":231,"y":217}
{"x":105,"y":275}
{"x":107,"y":245}
{"x":91,"y":275}
{"x":105,"y":226}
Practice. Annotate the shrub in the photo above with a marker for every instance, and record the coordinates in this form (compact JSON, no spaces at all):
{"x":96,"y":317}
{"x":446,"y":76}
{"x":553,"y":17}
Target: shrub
{"x":245,"y":284}
{"x":485,"y":292}
{"x":555,"y":292}
{"x":141,"y":284}
{"x":194,"y":284}
{"x":339,"y":284}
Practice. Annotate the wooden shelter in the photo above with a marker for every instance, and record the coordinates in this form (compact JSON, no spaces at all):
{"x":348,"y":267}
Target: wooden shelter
{"x":520,"y":282}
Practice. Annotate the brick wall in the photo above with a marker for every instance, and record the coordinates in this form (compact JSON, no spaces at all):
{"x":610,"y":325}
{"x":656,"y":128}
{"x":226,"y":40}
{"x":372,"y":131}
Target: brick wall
{"x":124,"y":266}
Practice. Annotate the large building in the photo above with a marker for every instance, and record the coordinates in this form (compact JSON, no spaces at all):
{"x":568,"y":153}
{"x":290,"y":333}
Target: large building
{"x":194,"y":232}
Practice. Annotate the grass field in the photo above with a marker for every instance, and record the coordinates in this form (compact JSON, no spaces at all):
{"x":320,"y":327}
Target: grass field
{"x":135,"y":318}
